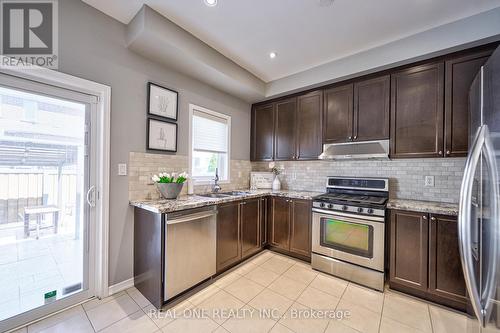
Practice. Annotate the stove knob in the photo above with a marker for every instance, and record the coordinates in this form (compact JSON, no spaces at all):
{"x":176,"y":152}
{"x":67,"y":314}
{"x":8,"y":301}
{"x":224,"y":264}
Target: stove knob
{"x":360,"y":210}
{"x":370,"y":210}
{"x":322,"y":205}
{"x":344,"y":207}
{"x":330,"y":206}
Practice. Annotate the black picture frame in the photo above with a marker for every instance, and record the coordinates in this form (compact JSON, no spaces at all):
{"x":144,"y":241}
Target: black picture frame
{"x":149,"y":102}
{"x":148,"y":132}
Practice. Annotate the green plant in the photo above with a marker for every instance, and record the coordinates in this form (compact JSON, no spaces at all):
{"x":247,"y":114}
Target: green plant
{"x":165,"y":178}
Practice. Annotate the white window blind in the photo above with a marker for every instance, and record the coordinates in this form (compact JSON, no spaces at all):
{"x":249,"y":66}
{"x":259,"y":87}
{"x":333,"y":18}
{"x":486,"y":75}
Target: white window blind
{"x":209,"y":144}
{"x":210,"y":133}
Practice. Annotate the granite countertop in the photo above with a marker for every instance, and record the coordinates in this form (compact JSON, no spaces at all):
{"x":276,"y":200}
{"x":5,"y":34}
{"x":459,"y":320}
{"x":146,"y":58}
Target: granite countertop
{"x":194,"y":201}
{"x":424,"y":206}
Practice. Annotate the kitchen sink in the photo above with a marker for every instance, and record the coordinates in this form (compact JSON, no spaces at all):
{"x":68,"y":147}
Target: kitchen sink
{"x":215,"y":195}
{"x":224,"y":194}
{"x":235,"y":193}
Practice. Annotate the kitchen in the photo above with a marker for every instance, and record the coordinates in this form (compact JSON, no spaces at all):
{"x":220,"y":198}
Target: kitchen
{"x":230,"y":185}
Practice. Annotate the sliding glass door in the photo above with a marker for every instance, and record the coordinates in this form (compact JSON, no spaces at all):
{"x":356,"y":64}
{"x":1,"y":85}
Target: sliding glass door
{"x":46,"y":199}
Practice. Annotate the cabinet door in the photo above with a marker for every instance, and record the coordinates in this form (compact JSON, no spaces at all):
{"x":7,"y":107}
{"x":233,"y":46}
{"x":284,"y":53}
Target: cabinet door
{"x":417,"y":111}
{"x":338,"y":114}
{"x":228,"y":231}
{"x":408,"y":252}
{"x":445,"y":268}
{"x":280,"y":223}
{"x":309,"y":139}
{"x":250,"y":228}
{"x":285,"y":127}
{"x":263,"y":133}
{"x":371,"y":109}
{"x":460,"y":72}
{"x":263,"y":221}
{"x":300,"y":227}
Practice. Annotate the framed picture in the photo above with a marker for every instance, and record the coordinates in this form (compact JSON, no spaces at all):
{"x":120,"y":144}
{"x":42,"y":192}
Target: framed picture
{"x":162,"y":102}
{"x":161,"y":135}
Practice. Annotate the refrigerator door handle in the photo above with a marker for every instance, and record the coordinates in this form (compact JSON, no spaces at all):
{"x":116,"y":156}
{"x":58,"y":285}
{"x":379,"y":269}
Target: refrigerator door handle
{"x":490,"y":281}
{"x":464,"y":223}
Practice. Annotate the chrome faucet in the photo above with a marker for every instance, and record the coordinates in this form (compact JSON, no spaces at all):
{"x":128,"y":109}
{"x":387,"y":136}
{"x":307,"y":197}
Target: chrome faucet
{"x":216,"y":187}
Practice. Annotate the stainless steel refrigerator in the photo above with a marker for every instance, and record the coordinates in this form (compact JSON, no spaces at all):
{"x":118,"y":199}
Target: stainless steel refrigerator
{"x":478,"y":226}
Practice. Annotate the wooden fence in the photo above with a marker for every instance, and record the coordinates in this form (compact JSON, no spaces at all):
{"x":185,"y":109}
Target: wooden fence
{"x":24,"y":189}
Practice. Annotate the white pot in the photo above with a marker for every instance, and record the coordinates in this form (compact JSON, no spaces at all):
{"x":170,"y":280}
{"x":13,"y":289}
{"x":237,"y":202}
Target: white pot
{"x":276,"y":183}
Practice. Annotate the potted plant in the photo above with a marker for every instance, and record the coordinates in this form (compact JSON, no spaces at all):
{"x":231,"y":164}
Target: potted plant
{"x":170,"y":185}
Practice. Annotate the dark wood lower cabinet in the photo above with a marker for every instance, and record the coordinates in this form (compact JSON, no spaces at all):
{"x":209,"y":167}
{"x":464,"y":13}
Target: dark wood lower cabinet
{"x":228,"y":235}
{"x":446,"y":278}
{"x":409,"y":241}
{"x":300,"y":227}
{"x":263,"y":206}
{"x":238,"y":232}
{"x":279,"y":223}
{"x":290,"y":226}
{"x":250,"y":227}
{"x":425,"y":259}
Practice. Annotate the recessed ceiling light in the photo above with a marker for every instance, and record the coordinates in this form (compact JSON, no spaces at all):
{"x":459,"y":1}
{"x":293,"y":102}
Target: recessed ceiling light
{"x":210,"y":3}
{"x":272,"y":55}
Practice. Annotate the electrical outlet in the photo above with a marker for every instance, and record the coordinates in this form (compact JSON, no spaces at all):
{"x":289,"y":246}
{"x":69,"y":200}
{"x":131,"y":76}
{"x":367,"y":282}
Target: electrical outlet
{"x":122,"y":169}
{"x":429,"y":181}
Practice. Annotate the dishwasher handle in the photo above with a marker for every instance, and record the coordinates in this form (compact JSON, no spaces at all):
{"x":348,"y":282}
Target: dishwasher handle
{"x":191,"y":217}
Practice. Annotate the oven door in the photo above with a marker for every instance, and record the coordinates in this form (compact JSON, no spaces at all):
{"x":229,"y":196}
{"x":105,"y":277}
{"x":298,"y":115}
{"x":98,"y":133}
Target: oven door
{"x":348,"y":237}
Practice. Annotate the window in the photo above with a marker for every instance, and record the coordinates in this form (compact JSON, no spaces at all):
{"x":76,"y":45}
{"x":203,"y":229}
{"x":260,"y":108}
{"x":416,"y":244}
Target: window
{"x":209,"y":144}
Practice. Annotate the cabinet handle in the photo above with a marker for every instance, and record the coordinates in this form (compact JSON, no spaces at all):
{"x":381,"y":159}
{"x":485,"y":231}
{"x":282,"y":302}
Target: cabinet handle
{"x":424,"y":217}
{"x":355,"y":137}
{"x":433,"y":218}
{"x":350,"y":138}
{"x":440,"y":153}
{"x":448,"y":152}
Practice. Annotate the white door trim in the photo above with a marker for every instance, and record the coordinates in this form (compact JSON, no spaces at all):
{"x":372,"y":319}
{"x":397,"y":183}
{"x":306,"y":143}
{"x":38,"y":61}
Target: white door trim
{"x":103,"y":93}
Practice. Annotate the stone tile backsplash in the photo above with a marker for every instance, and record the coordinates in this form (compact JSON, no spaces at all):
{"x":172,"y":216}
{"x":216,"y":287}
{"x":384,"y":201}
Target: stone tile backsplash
{"x":143,"y":165}
{"x":406,"y":175}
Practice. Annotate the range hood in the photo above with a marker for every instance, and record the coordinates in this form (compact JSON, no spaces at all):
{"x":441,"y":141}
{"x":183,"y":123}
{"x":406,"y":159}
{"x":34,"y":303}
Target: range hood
{"x":356,"y":150}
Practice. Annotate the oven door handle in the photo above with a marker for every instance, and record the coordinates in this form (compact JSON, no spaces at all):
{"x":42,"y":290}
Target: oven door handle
{"x":353,"y":216}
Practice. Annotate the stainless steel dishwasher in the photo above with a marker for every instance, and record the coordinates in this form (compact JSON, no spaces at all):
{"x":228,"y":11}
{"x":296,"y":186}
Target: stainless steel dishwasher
{"x":190,"y":249}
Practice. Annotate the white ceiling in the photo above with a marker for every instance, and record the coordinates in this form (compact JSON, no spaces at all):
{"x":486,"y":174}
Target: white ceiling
{"x":301,"y":32}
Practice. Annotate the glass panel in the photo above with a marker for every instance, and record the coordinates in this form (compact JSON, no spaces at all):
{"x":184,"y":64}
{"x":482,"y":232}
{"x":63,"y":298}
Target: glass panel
{"x":42,"y":181}
{"x":205,"y":163}
{"x":354,"y":238}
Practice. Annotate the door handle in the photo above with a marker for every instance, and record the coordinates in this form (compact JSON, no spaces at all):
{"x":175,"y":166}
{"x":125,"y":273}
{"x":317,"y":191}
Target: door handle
{"x":91,"y":196}
{"x":490,"y":282}
{"x":481,"y":143}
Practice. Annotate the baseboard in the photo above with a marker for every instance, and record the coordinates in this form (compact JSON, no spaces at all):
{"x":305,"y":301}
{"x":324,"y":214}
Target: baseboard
{"x":116,"y":288}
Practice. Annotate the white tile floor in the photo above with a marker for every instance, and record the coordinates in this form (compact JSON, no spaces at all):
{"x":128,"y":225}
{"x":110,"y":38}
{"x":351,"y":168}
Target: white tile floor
{"x":268,"y":281}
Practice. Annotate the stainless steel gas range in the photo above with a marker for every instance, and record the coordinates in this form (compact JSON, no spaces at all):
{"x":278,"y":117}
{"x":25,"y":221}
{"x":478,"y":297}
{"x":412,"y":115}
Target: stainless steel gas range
{"x":348,"y":229}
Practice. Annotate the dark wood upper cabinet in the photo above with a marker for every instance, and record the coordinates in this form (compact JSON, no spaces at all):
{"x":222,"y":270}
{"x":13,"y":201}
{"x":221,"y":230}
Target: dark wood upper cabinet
{"x":250,"y":227}
{"x":338,"y":114}
{"x":417,"y":109}
{"x":309,"y":139}
{"x":279,"y":223}
{"x":300,"y":227}
{"x":262,"y":147}
{"x":445,"y":268}
{"x":285,"y":129}
{"x":408,"y":249}
{"x":460,"y":72}
{"x":228,"y":235}
{"x":372,"y":109}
